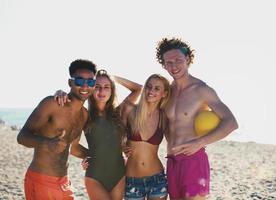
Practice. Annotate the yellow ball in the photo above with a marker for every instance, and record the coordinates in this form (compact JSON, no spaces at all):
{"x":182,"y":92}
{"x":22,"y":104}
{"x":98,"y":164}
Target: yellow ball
{"x":205,"y":122}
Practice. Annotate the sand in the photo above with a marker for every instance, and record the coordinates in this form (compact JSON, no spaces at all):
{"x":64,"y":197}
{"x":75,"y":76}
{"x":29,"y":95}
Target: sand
{"x":238,"y":170}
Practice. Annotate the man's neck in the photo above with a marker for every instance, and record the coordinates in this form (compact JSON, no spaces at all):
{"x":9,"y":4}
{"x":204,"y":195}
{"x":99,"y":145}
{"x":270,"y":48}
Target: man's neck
{"x":182,"y":82}
{"x":75,"y":103}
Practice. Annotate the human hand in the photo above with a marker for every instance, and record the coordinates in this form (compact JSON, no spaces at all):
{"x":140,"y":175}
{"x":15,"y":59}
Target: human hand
{"x":188,"y":148}
{"x":85,"y":163}
{"x":61,"y":97}
{"x":127,"y":151}
{"x":57,"y":144}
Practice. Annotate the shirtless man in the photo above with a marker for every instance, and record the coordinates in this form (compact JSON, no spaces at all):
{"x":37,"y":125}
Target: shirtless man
{"x":188,"y":166}
{"x":50,"y":130}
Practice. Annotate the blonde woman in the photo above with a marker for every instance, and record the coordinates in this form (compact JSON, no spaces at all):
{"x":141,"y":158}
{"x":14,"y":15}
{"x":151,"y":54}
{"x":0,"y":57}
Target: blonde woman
{"x":146,"y":125}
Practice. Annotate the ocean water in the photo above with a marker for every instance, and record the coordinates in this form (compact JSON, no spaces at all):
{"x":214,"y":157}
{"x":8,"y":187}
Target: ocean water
{"x":15,"y":116}
{"x":245,"y":133}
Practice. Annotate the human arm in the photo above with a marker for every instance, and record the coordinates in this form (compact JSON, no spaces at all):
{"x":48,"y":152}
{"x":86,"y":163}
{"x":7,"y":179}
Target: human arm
{"x":227,"y":123}
{"x":34,"y":134}
{"x":165,"y":125}
{"x":135,"y":88}
{"x":85,"y":163}
{"x":127,"y":150}
{"x":128,"y":103}
{"x":61,"y":97}
{"x":78,"y":150}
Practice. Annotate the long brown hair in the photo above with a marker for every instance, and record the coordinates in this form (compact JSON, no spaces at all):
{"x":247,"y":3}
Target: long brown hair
{"x":111,"y":111}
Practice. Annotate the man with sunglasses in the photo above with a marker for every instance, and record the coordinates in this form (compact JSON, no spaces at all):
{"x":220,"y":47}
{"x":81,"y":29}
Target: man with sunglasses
{"x":50,"y":130}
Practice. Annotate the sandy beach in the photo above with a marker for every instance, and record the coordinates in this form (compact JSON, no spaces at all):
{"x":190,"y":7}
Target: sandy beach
{"x":238,"y":170}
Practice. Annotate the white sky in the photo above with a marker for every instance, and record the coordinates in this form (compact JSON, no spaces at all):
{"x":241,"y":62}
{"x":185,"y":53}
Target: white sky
{"x":234,"y":43}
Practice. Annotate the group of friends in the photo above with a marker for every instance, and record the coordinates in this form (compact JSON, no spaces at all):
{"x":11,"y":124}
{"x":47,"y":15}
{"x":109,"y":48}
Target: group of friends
{"x":121,"y":161}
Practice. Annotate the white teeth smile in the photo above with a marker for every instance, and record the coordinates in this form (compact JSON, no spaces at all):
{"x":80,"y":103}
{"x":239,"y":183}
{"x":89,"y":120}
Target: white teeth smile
{"x":175,"y":72}
{"x":150,"y":95}
{"x":84,"y":92}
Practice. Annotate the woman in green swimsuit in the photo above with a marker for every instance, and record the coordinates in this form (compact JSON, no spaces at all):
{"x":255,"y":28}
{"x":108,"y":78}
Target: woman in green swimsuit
{"x":105,"y":133}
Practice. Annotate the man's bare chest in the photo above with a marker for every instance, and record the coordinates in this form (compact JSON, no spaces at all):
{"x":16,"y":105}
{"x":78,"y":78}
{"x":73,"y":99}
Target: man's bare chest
{"x":182,"y":106}
{"x":72,"y":124}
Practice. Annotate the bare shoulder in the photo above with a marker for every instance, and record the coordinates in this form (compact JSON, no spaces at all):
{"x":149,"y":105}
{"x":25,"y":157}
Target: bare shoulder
{"x":40,"y":115}
{"x":49,"y":101}
{"x":209,"y":96}
{"x":46,"y":106}
{"x":203,"y":88}
{"x":127,"y":103}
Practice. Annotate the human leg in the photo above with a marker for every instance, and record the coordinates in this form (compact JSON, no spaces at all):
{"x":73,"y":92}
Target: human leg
{"x":197,"y":184}
{"x":157,"y":187}
{"x":28,"y":188}
{"x":96,"y":190}
{"x":188,"y":176}
{"x":134,"y":189}
{"x":173,"y":177}
{"x":43,"y":187}
{"x":197,"y":197}
{"x":117,"y":192}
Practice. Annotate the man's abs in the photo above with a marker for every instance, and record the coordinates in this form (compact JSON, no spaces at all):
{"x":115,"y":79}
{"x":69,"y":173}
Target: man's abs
{"x":49,"y":163}
{"x":179,"y":135}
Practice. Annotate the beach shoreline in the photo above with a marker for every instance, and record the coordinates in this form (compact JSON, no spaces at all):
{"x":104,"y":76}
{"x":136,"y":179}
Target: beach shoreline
{"x":238,"y":170}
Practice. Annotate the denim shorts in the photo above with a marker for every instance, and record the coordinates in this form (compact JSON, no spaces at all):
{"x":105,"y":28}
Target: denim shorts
{"x":150,"y":186}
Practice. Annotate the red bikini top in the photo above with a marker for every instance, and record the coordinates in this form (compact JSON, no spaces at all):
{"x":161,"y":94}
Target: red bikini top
{"x":155,"y":139}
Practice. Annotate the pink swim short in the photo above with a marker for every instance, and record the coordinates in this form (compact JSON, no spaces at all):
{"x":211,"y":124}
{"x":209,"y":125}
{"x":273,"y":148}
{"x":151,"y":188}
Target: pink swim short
{"x":188,"y":176}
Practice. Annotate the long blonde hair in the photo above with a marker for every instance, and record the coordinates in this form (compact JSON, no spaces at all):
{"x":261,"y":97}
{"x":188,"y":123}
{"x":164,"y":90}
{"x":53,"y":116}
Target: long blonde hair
{"x":139,"y":117}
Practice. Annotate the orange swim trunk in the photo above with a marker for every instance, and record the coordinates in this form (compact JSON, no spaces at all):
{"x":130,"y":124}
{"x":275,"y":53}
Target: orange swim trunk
{"x":41,"y":187}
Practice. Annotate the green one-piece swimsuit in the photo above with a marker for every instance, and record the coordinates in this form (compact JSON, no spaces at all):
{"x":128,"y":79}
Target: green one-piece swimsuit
{"x":106,"y":164}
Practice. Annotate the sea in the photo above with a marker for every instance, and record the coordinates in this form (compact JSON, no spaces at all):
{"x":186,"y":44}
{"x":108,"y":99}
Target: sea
{"x":18,"y":117}
{"x":15,"y":116}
